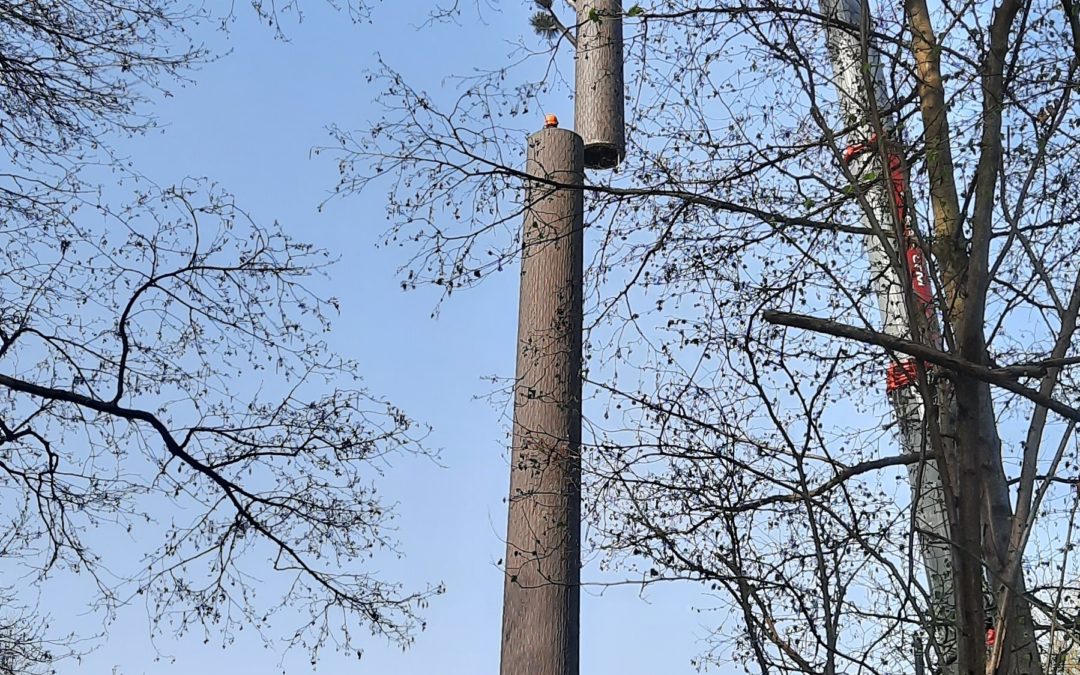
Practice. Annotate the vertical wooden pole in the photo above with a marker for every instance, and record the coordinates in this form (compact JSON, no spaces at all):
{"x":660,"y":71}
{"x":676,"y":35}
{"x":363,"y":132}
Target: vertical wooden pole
{"x":543,"y":538}
{"x":599,"y":100}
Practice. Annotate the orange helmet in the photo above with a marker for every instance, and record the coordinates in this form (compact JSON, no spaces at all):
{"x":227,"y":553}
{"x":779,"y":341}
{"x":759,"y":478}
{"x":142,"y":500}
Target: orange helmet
{"x":550,"y":121}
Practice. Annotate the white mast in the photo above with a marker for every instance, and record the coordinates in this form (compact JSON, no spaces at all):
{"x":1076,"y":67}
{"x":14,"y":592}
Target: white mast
{"x":858,"y":77}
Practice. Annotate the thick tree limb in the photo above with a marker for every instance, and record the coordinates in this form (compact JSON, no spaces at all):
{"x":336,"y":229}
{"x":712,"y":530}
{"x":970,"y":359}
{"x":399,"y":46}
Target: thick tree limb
{"x":929,"y":354}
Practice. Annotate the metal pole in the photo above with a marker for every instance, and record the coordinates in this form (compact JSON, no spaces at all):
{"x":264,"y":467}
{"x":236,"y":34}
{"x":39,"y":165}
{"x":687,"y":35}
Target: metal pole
{"x":543,"y":537}
{"x":858,"y":77}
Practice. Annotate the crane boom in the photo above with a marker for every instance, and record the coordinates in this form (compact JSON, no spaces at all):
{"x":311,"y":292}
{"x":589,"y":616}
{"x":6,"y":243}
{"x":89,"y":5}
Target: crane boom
{"x":902,"y":286}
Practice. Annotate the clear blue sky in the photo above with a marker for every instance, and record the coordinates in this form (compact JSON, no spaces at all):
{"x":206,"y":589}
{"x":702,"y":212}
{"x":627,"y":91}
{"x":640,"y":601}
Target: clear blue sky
{"x":249,"y":123}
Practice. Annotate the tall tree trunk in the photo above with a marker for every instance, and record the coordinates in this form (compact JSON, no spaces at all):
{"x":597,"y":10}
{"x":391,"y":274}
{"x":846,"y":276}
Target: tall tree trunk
{"x":983,"y":506}
{"x":543,"y":548}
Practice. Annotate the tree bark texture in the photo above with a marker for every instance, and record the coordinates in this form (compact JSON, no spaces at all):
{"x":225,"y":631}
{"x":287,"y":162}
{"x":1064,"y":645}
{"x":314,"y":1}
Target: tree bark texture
{"x":541,"y":595}
{"x":599,"y":115}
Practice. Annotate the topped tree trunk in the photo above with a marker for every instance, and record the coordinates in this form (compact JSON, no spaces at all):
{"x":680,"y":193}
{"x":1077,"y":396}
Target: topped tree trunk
{"x":543,"y":538}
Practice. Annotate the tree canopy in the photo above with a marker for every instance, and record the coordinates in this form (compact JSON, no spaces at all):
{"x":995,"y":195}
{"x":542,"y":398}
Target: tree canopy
{"x":740,"y":435}
{"x":164,"y":374}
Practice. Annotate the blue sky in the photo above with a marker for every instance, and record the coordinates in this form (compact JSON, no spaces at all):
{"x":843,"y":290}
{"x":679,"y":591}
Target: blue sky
{"x":249,"y":123}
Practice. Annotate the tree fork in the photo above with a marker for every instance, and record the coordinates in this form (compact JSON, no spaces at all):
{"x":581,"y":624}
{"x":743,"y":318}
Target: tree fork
{"x":964,"y":281}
